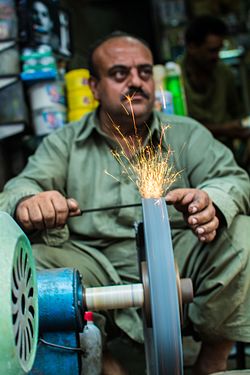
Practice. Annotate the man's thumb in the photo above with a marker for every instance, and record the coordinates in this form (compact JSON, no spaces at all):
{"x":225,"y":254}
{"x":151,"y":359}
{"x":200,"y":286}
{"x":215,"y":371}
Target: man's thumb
{"x":73,"y":205}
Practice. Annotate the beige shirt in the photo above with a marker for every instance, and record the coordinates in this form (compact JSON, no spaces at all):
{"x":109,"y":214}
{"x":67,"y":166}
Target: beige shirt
{"x":74,"y":161}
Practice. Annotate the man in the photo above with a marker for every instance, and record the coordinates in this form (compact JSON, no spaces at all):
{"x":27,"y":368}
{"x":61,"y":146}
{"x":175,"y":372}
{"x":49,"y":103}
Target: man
{"x":211,"y":92}
{"x":212,"y":194}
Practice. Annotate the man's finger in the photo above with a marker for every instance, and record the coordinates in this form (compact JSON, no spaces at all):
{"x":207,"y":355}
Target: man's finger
{"x":73,"y":206}
{"x":23,"y":219}
{"x":208,"y":237}
{"x":180,"y":195}
{"x":36,"y":217}
{"x":202,"y":217}
{"x":208,"y":227}
{"x":200,"y":201}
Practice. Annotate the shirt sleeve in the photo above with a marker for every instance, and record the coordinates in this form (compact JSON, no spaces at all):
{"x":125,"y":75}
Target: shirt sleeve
{"x":211,"y":166}
{"x":45,"y":170}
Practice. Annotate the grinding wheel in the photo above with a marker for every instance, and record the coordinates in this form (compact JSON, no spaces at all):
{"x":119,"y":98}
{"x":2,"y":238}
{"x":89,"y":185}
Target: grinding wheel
{"x":162,"y":339}
{"x":19,"y":300}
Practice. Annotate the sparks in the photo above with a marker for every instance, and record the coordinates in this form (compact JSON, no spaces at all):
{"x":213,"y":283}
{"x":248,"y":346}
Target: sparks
{"x":129,"y":99}
{"x":163,"y":98}
{"x":149,"y":167}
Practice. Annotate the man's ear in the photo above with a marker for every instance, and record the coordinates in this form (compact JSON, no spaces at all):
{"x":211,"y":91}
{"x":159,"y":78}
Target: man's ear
{"x":93,"y":84}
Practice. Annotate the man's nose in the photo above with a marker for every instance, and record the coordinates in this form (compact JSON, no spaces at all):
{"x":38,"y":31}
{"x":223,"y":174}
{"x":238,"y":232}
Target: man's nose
{"x":134,"y":78}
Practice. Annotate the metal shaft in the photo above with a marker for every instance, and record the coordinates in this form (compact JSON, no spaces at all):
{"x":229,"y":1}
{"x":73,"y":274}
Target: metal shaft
{"x":114,"y":297}
{"x":110,"y":208}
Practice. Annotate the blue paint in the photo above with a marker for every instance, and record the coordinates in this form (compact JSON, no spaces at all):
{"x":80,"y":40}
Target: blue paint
{"x":51,"y":361}
{"x":60,"y":299}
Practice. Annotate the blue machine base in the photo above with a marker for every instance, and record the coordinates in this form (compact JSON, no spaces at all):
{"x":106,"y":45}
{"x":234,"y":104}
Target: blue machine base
{"x":56,"y":361}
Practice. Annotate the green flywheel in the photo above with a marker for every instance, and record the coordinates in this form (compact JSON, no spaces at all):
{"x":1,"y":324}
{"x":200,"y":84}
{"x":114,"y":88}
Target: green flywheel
{"x":18,"y":300}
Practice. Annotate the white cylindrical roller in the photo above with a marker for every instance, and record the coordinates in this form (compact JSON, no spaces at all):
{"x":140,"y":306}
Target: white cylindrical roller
{"x":114,"y":297}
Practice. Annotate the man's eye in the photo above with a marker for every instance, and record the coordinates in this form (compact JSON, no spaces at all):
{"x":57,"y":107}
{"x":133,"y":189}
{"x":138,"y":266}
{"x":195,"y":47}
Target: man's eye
{"x":120,"y":75}
{"x":145,"y":73}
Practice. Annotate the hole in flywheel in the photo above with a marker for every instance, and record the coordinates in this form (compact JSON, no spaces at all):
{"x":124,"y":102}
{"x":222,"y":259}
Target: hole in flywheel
{"x":23,"y":304}
{"x":31,"y":310}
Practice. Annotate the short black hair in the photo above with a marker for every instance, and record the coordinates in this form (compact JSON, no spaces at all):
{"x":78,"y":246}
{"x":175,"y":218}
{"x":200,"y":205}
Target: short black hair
{"x":202,"y":26}
{"x":115,"y":34}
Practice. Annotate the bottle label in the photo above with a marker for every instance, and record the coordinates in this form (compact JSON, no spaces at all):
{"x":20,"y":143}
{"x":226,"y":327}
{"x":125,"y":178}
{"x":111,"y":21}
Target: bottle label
{"x":164,"y":102}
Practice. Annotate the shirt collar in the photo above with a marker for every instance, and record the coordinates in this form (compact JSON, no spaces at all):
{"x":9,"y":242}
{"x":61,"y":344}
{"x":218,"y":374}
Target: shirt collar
{"x":90,"y":123}
{"x":87,"y":125}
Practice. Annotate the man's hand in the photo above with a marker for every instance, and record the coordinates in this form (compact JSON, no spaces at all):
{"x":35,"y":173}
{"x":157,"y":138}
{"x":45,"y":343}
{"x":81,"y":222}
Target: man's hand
{"x":45,"y":210}
{"x":198,"y":211}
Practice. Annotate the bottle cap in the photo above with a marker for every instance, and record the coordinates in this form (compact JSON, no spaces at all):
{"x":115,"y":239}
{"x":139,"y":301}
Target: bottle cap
{"x":88,"y":316}
{"x":173,"y":68}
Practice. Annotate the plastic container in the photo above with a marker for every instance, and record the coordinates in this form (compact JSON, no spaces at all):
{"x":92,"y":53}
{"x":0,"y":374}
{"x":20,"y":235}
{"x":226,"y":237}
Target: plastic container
{"x":173,"y":83}
{"x":78,"y":113}
{"x":47,"y":94}
{"x":36,"y":61}
{"x":159,"y":73}
{"x":163,"y":98}
{"x":164,"y":102}
{"x":47,"y":120}
{"x":81,"y":99}
{"x":91,"y":343}
{"x":77,"y":79}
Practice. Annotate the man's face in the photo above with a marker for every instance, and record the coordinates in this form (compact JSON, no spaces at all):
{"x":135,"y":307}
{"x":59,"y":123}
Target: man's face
{"x":124,"y":66}
{"x":206,"y":55}
{"x":41,"y":17}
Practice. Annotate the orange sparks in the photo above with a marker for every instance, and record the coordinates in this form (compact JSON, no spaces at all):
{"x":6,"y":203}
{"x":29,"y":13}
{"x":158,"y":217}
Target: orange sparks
{"x":149,"y":167}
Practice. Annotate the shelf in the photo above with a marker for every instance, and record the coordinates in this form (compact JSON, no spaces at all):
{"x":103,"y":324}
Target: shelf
{"x":6,"y":81}
{"x":6,"y":44}
{"x":38,"y":76}
{"x":9,"y":130}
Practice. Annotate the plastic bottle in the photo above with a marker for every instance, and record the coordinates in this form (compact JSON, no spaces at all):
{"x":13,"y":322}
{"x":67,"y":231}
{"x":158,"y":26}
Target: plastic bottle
{"x":91,"y":343}
{"x":163,"y":98}
{"x":173,"y":83}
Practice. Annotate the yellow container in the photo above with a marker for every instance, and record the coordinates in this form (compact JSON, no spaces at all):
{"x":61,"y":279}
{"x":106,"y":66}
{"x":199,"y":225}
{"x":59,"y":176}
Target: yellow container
{"x":80,"y":99}
{"x":78,"y":113}
{"x":77,"y":79}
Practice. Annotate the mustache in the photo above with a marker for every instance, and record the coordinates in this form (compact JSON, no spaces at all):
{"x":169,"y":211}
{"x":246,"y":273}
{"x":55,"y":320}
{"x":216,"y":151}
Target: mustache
{"x":134,"y":90}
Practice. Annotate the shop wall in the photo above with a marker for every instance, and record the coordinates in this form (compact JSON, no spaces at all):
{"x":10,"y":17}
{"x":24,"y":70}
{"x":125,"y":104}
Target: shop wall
{"x":94,"y":19}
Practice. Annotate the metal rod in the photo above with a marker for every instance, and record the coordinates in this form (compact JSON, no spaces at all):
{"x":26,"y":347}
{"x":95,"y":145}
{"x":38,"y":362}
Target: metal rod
{"x":114,"y":297}
{"x":110,"y":208}
{"x":174,"y":225}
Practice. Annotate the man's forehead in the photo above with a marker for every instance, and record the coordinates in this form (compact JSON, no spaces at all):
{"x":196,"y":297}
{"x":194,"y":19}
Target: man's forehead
{"x":118,"y":50}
